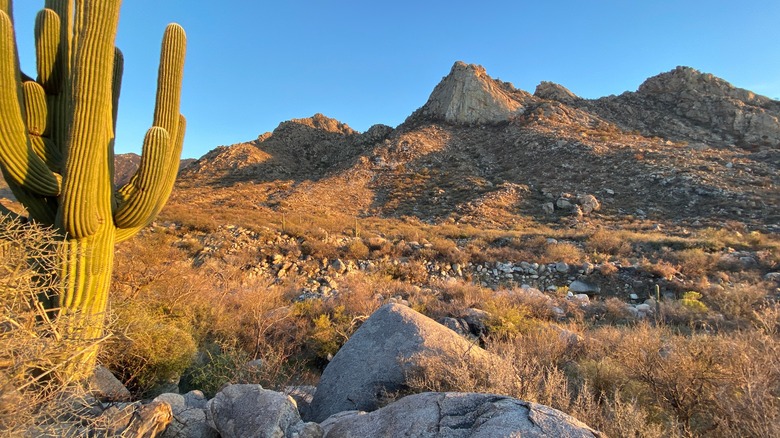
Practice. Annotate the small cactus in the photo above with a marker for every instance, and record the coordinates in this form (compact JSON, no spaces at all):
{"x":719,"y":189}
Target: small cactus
{"x":57,"y":141}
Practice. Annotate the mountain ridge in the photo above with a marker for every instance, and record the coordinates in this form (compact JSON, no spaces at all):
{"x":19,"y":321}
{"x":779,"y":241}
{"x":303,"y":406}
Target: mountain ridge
{"x":481,"y":151}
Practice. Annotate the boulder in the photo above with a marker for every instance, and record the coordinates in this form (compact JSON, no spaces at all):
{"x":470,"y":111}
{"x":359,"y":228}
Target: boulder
{"x":456,"y":415}
{"x":189,"y":416}
{"x":588,"y":203}
{"x":581,"y":287}
{"x":135,"y":420}
{"x":303,"y":395}
{"x":107,"y":388}
{"x":244,"y":411}
{"x":379,"y":355}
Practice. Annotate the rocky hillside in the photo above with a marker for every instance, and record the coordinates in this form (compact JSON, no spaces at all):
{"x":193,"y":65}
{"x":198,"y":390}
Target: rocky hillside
{"x":685,"y":149}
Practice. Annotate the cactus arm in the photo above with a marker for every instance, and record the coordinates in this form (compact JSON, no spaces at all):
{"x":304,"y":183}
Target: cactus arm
{"x":19,"y":162}
{"x":116,"y":88}
{"x":35,"y":115}
{"x":36,"y":119}
{"x":166,"y":186}
{"x":87,"y":190}
{"x":7,"y":6}
{"x":174,"y":163}
{"x":35,"y":111}
{"x":144,"y":189}
{"x":47,"y":50}
{"x":166,"y":116}
{"x":59,"y":109}
{"x":169,"y":79}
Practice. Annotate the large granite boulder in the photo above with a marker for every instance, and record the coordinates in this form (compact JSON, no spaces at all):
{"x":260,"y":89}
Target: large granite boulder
{"x":458,"y":415}
{"x":381,"y":354}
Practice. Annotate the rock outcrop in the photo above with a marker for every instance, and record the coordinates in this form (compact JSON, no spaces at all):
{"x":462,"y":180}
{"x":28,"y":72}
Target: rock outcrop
{"x":380,"y":354}
{"x":552,"y":91}
{"x":685,"y":104}
{"x":304,"y":148}
{"x":458,"y":415}
{"x":469,"y":96}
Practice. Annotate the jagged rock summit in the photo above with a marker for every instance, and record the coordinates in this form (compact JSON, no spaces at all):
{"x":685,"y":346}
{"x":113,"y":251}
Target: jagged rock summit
{"x":687,"y":105}
{"x":552,"y":91}
{"x":469,"y":96}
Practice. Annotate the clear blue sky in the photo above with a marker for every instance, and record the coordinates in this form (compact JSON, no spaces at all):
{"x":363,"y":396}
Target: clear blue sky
{"x":254,"y":64}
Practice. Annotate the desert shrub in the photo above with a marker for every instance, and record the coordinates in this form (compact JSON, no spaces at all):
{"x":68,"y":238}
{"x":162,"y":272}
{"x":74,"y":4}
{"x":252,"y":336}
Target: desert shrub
{"x":319,"y":249}
{"x":691,"y":384}
{"x":154,"y":348}
{"x":563,"y":252}
{"x":447,"y":251}
{"x":608,"y":242}
{"x":691,"y":300}
{"x":607,"y":269}
{"x":739,"y":301}
{"x":356,"y":250}
{"x":412,"y":271}
{"x":612,"y":311}
{"x":506,"y":317}
{"x":226,"y":363}
{"x":660,"y":268}
{"x":695,"y":262}
{"x":464,"y":294}
{"x":331,"y":330}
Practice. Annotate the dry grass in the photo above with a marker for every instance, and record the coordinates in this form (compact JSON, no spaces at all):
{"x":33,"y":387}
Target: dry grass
{"x":35,"y":348}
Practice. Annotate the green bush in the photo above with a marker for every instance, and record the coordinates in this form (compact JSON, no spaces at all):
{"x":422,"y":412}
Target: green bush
{"x":154,"y":348}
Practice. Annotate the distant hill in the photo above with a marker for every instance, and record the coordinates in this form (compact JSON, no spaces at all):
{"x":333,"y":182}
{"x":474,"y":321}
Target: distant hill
{"x":686,"y":147}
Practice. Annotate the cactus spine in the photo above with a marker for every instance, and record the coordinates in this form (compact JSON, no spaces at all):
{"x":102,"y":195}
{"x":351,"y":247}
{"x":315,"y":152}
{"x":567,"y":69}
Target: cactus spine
{"x":56,"y":147}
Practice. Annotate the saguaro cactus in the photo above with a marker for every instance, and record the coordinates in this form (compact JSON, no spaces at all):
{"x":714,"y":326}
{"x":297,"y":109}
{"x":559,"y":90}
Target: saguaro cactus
{"x":57,"y":141}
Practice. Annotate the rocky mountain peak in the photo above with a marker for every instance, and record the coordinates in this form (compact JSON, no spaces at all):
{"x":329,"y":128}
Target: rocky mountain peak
{"x":687,"y":81}
{"x":553,"y":91}
{"x":467,"y":95}
{"x":318,"y":122}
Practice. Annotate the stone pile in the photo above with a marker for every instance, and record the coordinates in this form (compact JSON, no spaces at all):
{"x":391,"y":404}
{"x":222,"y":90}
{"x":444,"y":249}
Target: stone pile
{"x":348,"y":400}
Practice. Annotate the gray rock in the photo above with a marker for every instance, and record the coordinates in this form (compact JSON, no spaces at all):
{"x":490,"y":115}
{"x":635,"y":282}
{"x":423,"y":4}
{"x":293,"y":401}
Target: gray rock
{"x":581,"y":287}
{"x":134,"y":420}
{"x":457,"y":325}
{"x":107,"y":388}
{"x":189,"y":416}
{"x":303,"y":396}
{"x":582,"y":298}
{"x":475,"y":318}
{"x":338,"y":266}
{"x":562,"y":267}
{"x":563,"y":204}
{"x":588,"y":203}
{"x":772,"y":276}
{"x":458,"y":415}
{"x":378,"y":356}
{"x":644,"y":309}
{"x":244,"y":411}
{"x":195,"y":399}
{"x":190,"y":423}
